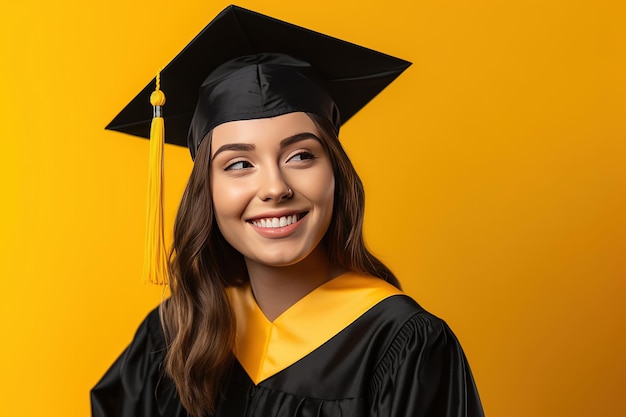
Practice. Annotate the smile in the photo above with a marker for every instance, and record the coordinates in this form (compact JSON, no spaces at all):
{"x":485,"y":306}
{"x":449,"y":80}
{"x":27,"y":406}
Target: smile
{"x":276,"y":222}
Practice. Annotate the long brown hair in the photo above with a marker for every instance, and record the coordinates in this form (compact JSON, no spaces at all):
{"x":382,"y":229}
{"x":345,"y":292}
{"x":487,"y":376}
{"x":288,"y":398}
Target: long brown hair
{"x":197,"y":319}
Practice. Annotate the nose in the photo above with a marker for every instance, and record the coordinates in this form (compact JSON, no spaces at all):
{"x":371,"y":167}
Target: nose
{"x":273,"y":186}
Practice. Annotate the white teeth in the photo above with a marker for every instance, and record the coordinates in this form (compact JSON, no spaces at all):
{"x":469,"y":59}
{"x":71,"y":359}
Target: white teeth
{"x":275,"y":222}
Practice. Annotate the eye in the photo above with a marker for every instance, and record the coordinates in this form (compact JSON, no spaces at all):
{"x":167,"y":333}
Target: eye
{"x":302,"y":156}
{"x":238,"y":165}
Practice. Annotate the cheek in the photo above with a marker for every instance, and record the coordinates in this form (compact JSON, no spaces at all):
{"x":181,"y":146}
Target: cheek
{"x":227,"y":201}
{"x":325,"y":190}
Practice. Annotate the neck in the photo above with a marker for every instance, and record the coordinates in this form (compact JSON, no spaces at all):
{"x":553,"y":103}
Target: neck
{"x":278,"y":288}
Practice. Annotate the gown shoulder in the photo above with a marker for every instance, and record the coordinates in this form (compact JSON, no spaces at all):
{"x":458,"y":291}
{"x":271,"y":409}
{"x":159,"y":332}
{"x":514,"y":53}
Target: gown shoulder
{"x":424,"y":371}
{"x":135,"y":385}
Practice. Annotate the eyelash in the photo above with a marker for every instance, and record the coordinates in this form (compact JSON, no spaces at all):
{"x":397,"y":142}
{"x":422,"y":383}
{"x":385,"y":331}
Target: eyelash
{"x":302,"y":154}
{"x":243,"y":162}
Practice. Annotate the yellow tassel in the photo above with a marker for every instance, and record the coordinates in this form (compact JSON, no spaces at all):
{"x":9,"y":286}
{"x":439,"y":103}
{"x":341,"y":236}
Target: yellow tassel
{"x":155,"y":267}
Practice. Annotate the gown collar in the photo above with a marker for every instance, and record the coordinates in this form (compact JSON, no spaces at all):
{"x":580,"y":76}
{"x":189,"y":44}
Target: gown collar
{"x":265,"y":348}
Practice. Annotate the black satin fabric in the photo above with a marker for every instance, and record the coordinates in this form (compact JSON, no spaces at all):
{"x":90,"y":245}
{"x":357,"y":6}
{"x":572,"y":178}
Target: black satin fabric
{"x":395,"y":360}
{"x":256,"y":87}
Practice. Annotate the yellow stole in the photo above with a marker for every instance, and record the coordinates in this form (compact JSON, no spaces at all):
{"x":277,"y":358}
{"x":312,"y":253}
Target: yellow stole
{"x":265,"y":348}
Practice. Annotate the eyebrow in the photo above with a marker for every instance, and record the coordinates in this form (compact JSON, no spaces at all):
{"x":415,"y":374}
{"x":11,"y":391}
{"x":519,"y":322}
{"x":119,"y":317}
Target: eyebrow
{"x":297,"y":138}
{"x":251,"y":146}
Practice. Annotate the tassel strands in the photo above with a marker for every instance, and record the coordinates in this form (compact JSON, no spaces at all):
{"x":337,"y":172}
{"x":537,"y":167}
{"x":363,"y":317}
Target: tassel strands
{"x":155,"y":268}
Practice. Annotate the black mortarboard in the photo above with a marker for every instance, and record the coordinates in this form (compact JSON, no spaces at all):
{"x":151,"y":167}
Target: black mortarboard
{"x":289,"y":67}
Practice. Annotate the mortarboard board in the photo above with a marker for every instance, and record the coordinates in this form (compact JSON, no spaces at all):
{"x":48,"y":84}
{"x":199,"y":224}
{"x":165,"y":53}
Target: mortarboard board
{"x":245,"y":65}
{"x":352,"y":75}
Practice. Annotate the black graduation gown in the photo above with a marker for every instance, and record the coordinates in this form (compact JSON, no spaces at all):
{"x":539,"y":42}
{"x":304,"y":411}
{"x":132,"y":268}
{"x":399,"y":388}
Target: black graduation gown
{"x":395,"y":360}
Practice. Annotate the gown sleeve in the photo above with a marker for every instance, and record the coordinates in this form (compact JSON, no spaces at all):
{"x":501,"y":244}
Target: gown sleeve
{"x":135,"y":385}
{"x":425,"y":374}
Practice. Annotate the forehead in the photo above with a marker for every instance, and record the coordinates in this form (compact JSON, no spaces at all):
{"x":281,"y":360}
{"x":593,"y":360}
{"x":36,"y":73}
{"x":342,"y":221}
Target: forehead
{"x":269,"y":130}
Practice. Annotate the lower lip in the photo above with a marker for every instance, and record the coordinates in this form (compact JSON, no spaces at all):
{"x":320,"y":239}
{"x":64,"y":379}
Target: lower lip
{"x":277,"y":232}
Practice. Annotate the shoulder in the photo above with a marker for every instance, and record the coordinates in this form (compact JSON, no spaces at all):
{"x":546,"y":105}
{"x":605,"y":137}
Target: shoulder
{"x":393,"y":327}
{"x":423,"y":364}
{"x":135,"y":385}
{"x":414,"y":333}
{"x":149,"y":337}
{"x":146,"y":347}
{"x":411,"y":320}
{"x":407,"y":314}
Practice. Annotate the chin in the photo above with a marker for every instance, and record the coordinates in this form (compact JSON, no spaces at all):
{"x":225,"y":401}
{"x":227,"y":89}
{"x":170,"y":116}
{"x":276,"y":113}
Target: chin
{"x":279,"y":261}
{"x":282,"y":258}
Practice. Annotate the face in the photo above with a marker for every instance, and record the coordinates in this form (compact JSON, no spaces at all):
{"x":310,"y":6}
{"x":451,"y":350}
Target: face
{"x":272,"y":186}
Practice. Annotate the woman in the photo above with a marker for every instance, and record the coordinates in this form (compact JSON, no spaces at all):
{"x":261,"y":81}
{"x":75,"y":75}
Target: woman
{"x":277,"y":307}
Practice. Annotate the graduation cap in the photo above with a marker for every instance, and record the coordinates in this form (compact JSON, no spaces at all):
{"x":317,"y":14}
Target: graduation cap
{"x":351,"y":74}
{"x":245,"y":65}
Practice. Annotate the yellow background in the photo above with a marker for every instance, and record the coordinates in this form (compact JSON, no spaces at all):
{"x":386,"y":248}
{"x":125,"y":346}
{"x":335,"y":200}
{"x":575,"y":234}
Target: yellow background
{"x":494,"y":167}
